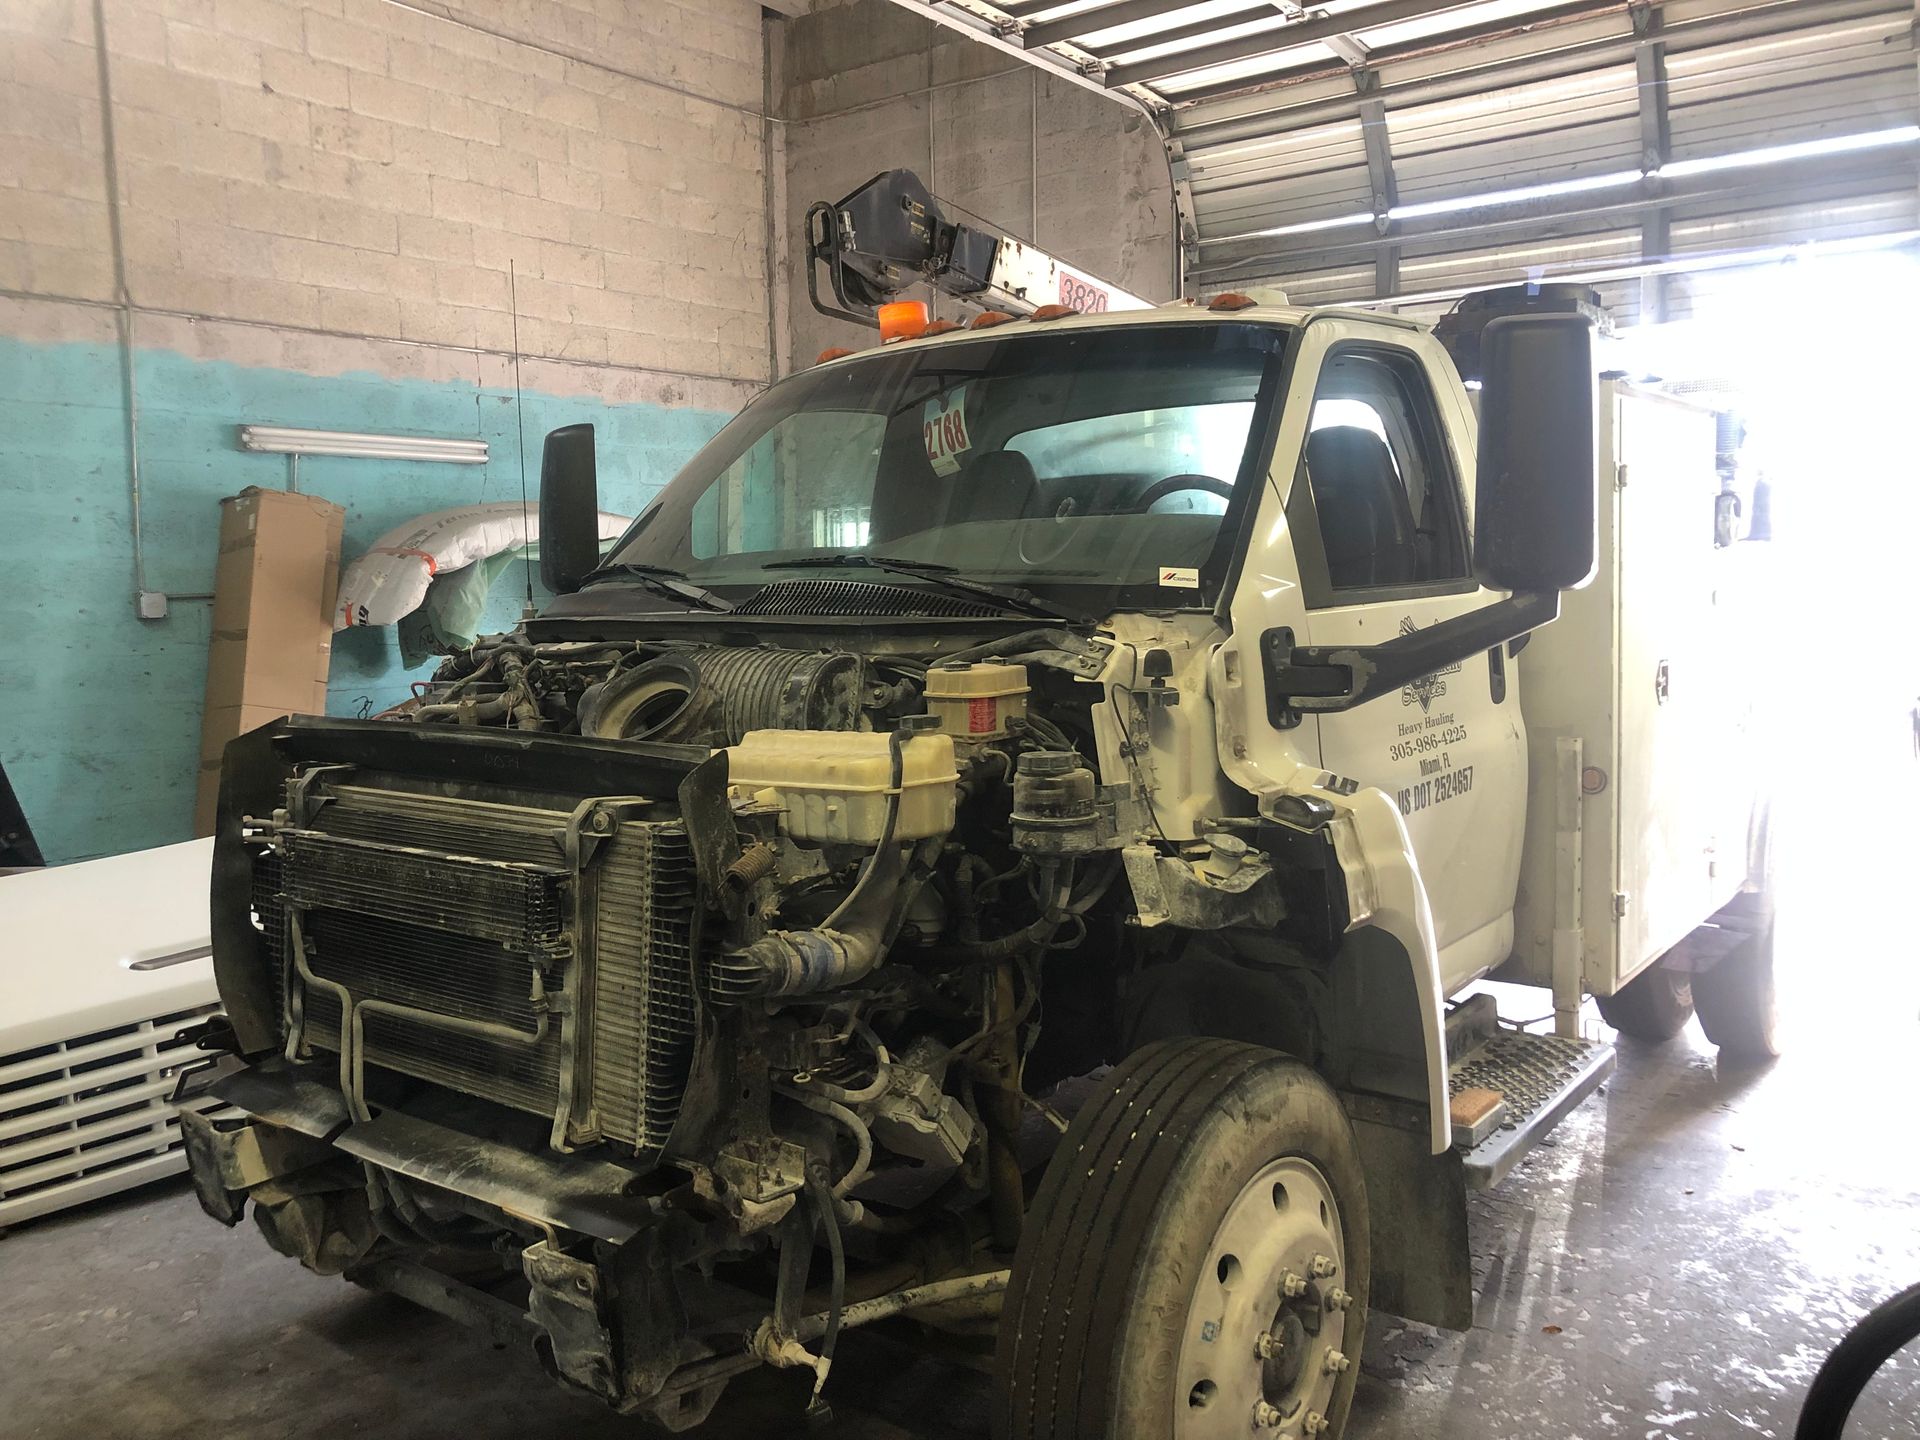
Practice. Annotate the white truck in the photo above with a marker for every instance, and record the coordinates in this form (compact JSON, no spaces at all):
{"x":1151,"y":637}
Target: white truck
{"x":1153,"y":718}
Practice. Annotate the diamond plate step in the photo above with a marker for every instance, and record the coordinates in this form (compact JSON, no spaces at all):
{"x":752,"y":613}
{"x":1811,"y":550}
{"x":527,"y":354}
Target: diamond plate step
{"x":1541,"y":1078}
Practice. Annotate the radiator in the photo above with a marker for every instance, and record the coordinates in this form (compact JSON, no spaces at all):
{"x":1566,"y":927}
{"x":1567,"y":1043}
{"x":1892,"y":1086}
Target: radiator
{"x":483,"y":959}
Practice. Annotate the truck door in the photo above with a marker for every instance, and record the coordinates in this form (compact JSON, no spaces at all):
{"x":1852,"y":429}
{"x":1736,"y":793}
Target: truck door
{"x":1381,"y":529}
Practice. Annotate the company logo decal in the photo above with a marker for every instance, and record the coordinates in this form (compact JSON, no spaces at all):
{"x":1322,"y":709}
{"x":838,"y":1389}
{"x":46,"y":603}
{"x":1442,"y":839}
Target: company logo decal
{"x":1428,"y":688}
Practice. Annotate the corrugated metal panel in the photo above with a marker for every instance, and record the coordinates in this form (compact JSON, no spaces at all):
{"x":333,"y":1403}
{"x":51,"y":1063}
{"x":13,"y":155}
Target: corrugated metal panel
{"x":1321,"y":287}
{"x":1881,"y":212}
{"x":1584,"y":125}
{"x":1825,"y":80}
{"x":1488,"y":98}
{"x":1471,"y":267}
{"x":1304,"y":176}
{"x":1619,"y":298}
{"x":1458,"y":268}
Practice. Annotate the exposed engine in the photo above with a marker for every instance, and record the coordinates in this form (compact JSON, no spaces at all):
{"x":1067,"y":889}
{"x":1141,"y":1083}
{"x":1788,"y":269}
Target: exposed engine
{"x":690,"y":694}
{"x":873,"y":809}
{"x":765,"y":941}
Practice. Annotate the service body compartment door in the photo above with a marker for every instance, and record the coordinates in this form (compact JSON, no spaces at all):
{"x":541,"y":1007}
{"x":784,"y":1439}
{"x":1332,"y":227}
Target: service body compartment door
{"x":1652,"y":670}
{"x":1683,"y":778}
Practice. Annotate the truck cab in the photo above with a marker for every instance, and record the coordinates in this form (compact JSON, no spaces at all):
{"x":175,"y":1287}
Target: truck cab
{"x":997,"y":838}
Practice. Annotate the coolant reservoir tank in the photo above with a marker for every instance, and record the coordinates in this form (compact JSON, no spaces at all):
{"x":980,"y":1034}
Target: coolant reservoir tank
{"x":976,"y":702}
{"x":834,"y":787}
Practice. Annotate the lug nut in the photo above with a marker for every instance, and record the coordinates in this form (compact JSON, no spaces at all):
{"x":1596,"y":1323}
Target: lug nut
{"x":1265,"y":1415}
{"x":1292,"y":1285}
{"x":1338,"y":1299}
{"x":1335,"y":1363}
{"x":1315,"y":1423}
{"x":1322,"y":1267}
{"x":1264,"y":1345}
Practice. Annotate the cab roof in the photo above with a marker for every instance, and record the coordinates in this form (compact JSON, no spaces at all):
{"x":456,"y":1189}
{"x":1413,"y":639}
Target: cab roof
{"x":1174,"y":312}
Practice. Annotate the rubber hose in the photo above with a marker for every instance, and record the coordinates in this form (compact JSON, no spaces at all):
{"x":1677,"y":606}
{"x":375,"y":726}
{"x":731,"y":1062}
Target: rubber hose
{"x":836,"y":1248}
{"x":1887,"y":1328}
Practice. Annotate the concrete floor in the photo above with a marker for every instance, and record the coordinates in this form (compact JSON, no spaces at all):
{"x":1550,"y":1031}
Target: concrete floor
{"x":1674,"y":1264}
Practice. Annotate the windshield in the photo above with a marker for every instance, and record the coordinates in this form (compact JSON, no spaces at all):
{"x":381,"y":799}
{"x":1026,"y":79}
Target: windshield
{"x":1085,"y":463}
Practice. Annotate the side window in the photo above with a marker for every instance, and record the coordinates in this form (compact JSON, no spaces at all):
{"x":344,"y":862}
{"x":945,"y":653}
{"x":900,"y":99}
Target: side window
{"x":1385,"y":500}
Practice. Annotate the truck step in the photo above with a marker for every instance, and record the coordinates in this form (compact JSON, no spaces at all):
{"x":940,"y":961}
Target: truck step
{"x":1509,"y":1092}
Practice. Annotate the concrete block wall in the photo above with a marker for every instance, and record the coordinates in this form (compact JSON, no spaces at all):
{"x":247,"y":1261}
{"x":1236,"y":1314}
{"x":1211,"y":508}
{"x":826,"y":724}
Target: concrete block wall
{"x":317,"y":202}
{"x":359,"y":167}
{"x":867,"y":86}
{"x":304,"y":212}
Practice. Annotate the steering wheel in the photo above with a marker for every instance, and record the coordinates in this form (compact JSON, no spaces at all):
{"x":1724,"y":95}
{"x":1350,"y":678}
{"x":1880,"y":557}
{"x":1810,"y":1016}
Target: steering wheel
{"x":1043,"y":539}
{"x":1174,"y":484}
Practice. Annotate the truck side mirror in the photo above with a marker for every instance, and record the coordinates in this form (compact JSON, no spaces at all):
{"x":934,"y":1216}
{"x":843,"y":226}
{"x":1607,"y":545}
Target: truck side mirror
{"x":569,"y":509}
{"x":1534,"y":494}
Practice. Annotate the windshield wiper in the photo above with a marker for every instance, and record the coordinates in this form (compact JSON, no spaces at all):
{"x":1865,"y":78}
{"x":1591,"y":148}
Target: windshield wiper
{"x":932,"y":571}
{"x":662,"y":580}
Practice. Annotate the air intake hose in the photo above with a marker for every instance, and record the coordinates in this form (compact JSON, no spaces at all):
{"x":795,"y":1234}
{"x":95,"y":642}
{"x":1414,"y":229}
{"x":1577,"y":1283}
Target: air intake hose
{"x":849,"y":944}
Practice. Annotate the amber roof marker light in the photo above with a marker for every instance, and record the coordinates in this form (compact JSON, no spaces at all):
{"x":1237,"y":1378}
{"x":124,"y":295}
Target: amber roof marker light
{"x":903,"y":320}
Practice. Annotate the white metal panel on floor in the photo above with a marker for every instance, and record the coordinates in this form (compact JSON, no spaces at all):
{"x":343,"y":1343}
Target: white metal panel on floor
{"x":106,"y":966}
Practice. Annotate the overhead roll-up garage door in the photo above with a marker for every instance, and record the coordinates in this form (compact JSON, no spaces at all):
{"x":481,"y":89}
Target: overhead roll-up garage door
{"x":1367,"y":149}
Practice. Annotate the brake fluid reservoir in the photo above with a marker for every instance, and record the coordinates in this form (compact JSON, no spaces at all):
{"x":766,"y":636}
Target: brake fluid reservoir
{"x":976,"y":702}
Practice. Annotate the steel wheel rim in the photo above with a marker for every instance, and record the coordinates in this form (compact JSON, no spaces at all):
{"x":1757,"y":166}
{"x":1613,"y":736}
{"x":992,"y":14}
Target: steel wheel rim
{"x":1255,"y":1359}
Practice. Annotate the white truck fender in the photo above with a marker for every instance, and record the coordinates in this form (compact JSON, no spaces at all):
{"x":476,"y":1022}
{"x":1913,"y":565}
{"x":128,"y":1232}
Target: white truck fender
{"x":1385,"y":891}
{"x":1384,"y":886}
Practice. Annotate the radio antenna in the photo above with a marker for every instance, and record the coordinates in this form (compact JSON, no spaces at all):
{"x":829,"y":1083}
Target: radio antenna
{"x":520,"y":425}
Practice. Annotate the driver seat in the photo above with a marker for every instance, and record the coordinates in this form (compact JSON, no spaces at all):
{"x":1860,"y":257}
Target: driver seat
{"x":999,"y":485}
{"x":1366,"y":520}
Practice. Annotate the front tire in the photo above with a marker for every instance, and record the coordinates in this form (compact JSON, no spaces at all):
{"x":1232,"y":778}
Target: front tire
{"x":1653,"y":1006}
{"x":1196,"y":1262}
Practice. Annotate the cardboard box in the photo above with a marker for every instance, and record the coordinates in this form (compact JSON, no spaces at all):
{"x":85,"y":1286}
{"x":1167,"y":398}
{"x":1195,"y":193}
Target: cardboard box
{"x":273,"y":595}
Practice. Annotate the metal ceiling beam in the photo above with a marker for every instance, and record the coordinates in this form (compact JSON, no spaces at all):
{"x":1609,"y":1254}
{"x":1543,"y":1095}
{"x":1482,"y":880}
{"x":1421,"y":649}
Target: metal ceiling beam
{"x":1779,"y":184}
{"x":975,"y":27}
{"x":1698,"y":263}
{"x":1572,"y":10}
{"x":1101,"y":17}
{"x":1650,"y":83}
{"x":1650,"y":80}
{"x":1199,"y":29}
{"x":1380,"y":178}
{"x":1547,"y":64}
{"x":1282,"y":37}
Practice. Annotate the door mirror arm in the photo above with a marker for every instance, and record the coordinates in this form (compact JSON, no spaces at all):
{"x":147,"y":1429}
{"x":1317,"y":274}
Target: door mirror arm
{"x":1318,"y":679}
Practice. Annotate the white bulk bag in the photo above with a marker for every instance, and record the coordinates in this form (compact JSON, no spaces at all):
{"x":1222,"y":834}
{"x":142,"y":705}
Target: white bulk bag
{"x":391,"y":579}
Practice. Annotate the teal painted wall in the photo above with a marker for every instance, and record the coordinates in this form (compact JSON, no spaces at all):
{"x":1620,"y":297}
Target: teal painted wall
{"x":101,"y":718}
